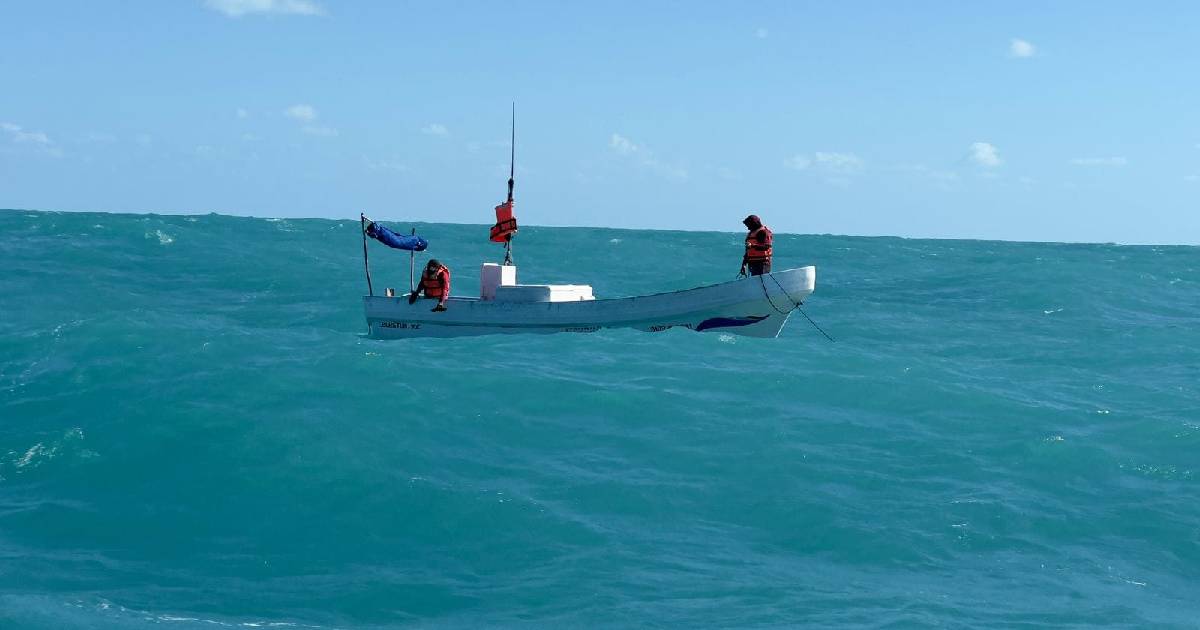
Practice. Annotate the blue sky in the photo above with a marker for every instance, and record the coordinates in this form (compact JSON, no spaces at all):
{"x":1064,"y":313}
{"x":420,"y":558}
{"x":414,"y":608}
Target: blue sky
{"x":1075,"y":121}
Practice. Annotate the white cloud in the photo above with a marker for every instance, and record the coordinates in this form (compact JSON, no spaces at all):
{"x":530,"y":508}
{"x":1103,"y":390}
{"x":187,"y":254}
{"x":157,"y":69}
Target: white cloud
{"x":1021,"y":49}
{"x":622,"y":145}
{"x":20,"y":135}
{"x":307,"y":114}
{"x":301,"y":112}
{"x":1100,"y":161}
{"x":984,"y":154}
{"x":761,"y":33}
{"x":435,"y":129}
{"x":241,"y":113}
{"x":828,"y":162}
{"x":1191,"y":178}
{"x":35,"y":141}
{"x":238,"y":8}
{"x":645,"y":158}
{"x":835,"y":168}
{"x":798,"y":162}
{"x":838,"y":162}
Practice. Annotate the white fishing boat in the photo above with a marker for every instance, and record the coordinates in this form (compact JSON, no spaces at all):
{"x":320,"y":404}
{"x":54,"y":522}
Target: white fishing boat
{"x":757,"y":306}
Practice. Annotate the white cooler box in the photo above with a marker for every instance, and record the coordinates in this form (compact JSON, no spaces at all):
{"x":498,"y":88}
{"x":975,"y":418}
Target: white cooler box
{"x":492,"y":276}
{"x":544,"y":293}
{"x":499,"y":283}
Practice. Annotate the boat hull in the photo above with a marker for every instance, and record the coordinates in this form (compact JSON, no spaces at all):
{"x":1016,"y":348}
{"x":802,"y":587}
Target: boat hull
{"x":757,"y":306}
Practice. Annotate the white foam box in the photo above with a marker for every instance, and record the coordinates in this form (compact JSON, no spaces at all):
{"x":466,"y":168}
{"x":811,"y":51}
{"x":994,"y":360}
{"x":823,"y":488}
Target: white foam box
{"x":492,"y":276}
{"x":544,"y":293}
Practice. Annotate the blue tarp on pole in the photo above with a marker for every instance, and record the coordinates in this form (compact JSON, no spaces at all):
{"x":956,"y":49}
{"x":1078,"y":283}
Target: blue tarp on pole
{"x":412,"y":243}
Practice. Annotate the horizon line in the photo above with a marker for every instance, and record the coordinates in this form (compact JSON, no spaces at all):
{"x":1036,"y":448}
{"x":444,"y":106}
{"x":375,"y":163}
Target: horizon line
{"x":605,"y":227}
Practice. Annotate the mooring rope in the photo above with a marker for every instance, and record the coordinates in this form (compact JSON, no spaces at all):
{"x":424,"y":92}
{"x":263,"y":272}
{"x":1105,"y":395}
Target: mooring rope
{"x":767,"y":294}
{"x":796,"y":304}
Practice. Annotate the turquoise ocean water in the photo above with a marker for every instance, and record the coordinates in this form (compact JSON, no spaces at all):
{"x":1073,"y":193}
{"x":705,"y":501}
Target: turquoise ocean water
{"x":195,"y":433}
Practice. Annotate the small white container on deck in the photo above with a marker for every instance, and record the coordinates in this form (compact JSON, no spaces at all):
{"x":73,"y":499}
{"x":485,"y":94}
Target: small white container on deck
{"x":492,"y":275}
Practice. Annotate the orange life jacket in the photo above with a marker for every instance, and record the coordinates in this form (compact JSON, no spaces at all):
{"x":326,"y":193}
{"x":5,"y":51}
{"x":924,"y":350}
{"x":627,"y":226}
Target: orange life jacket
{"x":436,"y":285}
{"x":506,"y":223}
{"x":759,"y":251}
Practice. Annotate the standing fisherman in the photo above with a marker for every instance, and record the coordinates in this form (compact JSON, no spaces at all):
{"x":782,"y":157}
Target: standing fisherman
{"x":758,"y":247}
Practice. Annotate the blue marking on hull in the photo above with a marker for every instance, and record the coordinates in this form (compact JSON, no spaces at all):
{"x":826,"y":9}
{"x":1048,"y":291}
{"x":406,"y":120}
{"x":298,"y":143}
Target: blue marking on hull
{"x":729,"y":322}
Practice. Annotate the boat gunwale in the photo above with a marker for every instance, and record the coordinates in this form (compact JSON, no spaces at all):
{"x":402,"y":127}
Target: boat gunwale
{"x":773,"y":274}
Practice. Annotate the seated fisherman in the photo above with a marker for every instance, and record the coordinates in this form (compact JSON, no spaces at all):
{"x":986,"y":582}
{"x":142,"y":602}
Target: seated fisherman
{"x":435,"y":283}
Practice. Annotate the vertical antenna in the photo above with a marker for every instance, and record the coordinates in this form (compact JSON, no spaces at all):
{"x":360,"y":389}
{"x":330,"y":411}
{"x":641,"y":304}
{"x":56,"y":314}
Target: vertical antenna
{"x":512,"y":170}
{"x":512,"y":157}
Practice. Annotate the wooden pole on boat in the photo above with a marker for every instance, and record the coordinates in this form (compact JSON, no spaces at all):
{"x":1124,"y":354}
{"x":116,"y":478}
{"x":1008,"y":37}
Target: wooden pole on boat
{"x":412,"y":257}
{"x":362,"y":219}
